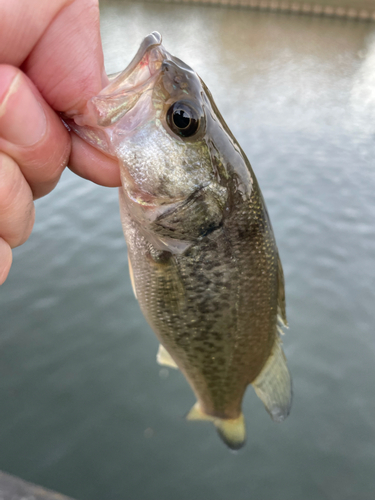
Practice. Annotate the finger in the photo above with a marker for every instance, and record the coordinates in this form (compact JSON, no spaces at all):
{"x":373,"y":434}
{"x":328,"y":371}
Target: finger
{"x":5,"y":260}
{"x":16,"y":203}
{"x":90,"y":163}
{"x":74,"y":73}
{"x":20,"y":28}
{"x":67,"y":63}
{"x":61,"y":52}
{"x":31,"y":132}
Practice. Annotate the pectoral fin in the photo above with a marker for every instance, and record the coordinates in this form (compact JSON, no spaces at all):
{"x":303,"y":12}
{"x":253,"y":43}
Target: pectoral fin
{"x":231,"y":431}
{"x":274,"y":384}
{"x":164,"y":358}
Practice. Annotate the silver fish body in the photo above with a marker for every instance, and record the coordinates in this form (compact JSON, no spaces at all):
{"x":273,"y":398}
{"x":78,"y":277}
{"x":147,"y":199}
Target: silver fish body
{"x":203,"y":257}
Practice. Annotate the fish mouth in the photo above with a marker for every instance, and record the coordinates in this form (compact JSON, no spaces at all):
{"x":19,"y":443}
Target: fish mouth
{"x":144,"y":64}
{"x":125,"y":89}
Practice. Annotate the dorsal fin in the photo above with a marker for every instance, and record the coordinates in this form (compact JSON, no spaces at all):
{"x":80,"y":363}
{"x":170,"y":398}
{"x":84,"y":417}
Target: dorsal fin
{"x":274,"y":385}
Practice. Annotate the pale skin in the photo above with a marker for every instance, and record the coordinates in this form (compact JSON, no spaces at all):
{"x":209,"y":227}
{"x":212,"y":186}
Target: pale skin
{"x":51,"y":61}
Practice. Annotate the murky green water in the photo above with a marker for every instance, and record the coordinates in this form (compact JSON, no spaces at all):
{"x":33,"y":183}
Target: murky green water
{"x":84,"y":409}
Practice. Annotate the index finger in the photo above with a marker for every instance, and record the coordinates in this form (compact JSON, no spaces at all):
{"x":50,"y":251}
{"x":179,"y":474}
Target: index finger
{"x":66,"y":64}
{"x":60,"y":50}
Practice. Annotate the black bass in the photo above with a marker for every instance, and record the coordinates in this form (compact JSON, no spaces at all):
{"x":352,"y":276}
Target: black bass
{"x":202,"y":255}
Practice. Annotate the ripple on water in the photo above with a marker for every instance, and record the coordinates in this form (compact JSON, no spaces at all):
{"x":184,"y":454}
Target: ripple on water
{"x":79,"y":387}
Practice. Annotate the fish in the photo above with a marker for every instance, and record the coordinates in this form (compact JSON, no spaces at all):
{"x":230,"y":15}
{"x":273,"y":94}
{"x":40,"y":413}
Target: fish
{"x":203,"y":260}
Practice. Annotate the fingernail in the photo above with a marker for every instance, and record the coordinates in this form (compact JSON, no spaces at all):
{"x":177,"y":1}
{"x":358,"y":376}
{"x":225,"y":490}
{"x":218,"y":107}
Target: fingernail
{"x":22,"y":119}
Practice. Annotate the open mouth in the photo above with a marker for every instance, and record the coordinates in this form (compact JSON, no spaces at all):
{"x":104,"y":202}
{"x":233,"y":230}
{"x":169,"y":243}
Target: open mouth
{"x":145,"y":64}
{"x":124,"y":91}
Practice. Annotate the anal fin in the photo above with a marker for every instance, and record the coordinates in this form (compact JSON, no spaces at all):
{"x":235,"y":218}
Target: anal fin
{"x":196,"y":413}
{"x":164,"y":358}
{"x":231,"y":430}
{"x":274,"y":384}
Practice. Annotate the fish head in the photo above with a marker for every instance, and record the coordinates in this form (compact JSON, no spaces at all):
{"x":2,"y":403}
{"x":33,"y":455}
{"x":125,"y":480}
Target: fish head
{"x":158,"y":120}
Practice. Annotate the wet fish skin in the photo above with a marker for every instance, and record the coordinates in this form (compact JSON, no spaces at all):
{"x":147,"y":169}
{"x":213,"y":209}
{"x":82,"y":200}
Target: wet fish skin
{"x":205,"y":265}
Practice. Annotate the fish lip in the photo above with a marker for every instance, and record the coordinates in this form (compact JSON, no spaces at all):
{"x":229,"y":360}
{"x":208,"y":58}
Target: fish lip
{"x":126,"y":87}
{"x":140,"y":60}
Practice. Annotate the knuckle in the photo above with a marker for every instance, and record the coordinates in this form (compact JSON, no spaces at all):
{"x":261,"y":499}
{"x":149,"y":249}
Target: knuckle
{"x":17,"y":210}
{"x":10,"y":184}
{"x":26,"y":224}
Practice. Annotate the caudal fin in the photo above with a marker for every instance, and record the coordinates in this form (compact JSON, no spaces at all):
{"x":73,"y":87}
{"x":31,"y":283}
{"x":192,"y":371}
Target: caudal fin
{"x":231,"y":431}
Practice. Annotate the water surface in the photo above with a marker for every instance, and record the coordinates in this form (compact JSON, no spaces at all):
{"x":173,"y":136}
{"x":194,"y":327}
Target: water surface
{"x":84,"y":409}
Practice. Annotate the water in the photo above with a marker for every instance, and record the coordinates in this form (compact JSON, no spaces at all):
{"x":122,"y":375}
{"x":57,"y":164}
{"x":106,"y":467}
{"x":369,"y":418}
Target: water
{"x":84,"y":408}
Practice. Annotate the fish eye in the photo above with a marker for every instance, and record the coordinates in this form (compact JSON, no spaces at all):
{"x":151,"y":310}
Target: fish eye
{"x":183,"y":119}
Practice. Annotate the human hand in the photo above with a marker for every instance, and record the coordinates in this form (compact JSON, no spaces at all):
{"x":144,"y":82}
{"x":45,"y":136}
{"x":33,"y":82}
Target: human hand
{"x":51,"y":61}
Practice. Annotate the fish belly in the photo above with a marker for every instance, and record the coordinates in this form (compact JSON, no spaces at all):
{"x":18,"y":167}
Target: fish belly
{"x":214,"y":307}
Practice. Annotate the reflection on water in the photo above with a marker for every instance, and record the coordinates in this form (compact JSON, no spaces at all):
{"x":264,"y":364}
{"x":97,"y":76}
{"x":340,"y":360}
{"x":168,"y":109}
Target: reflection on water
{"x":84,"y":407}
{"x":345,"y":9}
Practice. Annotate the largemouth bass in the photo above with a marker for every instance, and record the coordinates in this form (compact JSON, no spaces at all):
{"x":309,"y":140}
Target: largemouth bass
{"x":202,"y":255}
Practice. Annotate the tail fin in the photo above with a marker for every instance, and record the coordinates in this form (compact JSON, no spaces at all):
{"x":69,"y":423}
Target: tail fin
{"x":231,"y":431}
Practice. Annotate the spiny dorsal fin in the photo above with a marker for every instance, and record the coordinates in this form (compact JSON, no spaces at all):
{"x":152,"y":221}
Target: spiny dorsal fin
{"x":164,"y":358}
{"x":274,"y":384}
{"x":231,"y":431}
